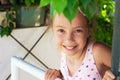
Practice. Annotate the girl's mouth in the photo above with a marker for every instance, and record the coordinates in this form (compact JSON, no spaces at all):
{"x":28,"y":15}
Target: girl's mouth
{"x":70,"y":47}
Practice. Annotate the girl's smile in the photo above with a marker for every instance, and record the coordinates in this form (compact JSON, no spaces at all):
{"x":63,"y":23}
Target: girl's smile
{"x":71,"y":37}
{"x":70,"y":48}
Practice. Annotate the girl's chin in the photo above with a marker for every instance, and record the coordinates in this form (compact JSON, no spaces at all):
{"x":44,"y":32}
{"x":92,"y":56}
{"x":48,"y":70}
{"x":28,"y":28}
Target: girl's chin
{"x":67,"y":51}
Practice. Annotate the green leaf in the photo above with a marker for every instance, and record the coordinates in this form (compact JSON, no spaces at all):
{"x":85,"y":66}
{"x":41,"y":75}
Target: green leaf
{"x":28,"y":2}
{"x":33,"y":1}
{"x":44,"y":3}
{"x":71,"y":10}
{"x":85,"y":3}
{"x":5,"y":31}
{"x":72,"y":5}
{"x":11,"y":25}
{"x":52,"y":11}
{"x":70,"y":15}
{"x":90,"y":10}
{"x":11,"y":17}
{"x":59,"y":5}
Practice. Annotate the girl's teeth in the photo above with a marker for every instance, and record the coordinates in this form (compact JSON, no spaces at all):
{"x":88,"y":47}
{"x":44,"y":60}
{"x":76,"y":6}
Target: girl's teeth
{"x":69,"y":47}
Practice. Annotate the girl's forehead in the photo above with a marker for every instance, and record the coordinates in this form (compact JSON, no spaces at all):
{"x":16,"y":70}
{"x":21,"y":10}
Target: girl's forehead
{"x":61,"y":20}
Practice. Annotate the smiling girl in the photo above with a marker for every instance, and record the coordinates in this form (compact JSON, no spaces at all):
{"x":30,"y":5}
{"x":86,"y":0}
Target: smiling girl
{"x":81,"y":57}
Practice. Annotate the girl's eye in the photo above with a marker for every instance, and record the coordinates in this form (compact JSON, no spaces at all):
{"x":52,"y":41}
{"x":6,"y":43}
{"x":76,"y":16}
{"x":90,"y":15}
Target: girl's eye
{"x":78,"y":30}
{"x":61,"y":30}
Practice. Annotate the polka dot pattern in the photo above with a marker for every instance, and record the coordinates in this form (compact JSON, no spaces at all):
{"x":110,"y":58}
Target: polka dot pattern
{"x":87,"y":70}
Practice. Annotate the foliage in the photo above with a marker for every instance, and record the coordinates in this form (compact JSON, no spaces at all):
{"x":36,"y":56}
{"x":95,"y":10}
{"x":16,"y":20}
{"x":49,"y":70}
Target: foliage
{"x":8,"y":23}
{"x":70,"y":7}
{"x":104,"y":20}
{"x":97,"y":11}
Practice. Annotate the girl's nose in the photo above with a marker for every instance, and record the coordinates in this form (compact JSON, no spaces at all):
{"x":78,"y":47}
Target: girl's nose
{"x":70,"y":37}
{"x":69,"y":40}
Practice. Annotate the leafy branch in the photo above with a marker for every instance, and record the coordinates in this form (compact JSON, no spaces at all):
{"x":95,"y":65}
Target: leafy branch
{"x":70,"y":7}
{"x":7,"y":24}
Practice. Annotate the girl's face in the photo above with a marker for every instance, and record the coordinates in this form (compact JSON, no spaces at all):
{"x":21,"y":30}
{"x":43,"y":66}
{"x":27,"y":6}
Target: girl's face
{"x":71,"y":37}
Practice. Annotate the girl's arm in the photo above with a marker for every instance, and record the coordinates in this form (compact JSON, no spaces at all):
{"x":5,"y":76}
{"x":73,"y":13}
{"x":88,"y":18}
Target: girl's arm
{"x":103,"y":58}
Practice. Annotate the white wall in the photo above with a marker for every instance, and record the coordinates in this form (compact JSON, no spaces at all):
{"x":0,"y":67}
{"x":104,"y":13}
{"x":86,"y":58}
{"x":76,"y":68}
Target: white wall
{"x":45,"y":50}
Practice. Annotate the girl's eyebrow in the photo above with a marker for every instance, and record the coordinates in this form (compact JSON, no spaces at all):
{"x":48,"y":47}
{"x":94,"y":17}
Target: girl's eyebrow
{"x":59,"y":26}
{"x":78,"y":26}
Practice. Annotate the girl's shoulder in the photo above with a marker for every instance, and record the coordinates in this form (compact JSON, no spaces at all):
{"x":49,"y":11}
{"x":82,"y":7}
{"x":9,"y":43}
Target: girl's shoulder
{"x":100,"y":47}
{"x":102,"y":53}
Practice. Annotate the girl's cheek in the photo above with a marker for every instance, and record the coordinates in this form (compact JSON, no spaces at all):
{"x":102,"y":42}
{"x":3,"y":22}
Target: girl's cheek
{"x":59,"y":39}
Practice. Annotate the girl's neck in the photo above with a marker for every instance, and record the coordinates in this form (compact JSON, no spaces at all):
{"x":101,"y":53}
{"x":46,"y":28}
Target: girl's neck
{"x":74,"y":62}
{"x":76,"y":59}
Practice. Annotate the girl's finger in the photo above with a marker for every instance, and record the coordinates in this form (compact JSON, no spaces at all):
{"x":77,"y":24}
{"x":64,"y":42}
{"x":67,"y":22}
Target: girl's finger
{"x":110,"y":74}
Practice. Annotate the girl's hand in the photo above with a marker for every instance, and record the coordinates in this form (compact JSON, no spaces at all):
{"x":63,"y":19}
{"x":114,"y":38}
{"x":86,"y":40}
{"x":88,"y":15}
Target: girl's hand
{"x":52,"y":74}
{"x":108,"y":75}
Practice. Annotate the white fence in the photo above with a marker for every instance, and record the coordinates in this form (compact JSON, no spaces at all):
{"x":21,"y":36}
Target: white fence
{"x":18,"y":63}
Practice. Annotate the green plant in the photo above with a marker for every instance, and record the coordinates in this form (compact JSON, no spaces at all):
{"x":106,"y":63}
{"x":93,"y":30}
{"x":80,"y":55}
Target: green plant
{"x":70,"y":7}
{"x":104,"y":28}
{"x":8,"y":23}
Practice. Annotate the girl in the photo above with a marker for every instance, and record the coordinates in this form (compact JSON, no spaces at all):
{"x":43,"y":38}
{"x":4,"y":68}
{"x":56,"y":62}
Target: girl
{"x":81,"y":58}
